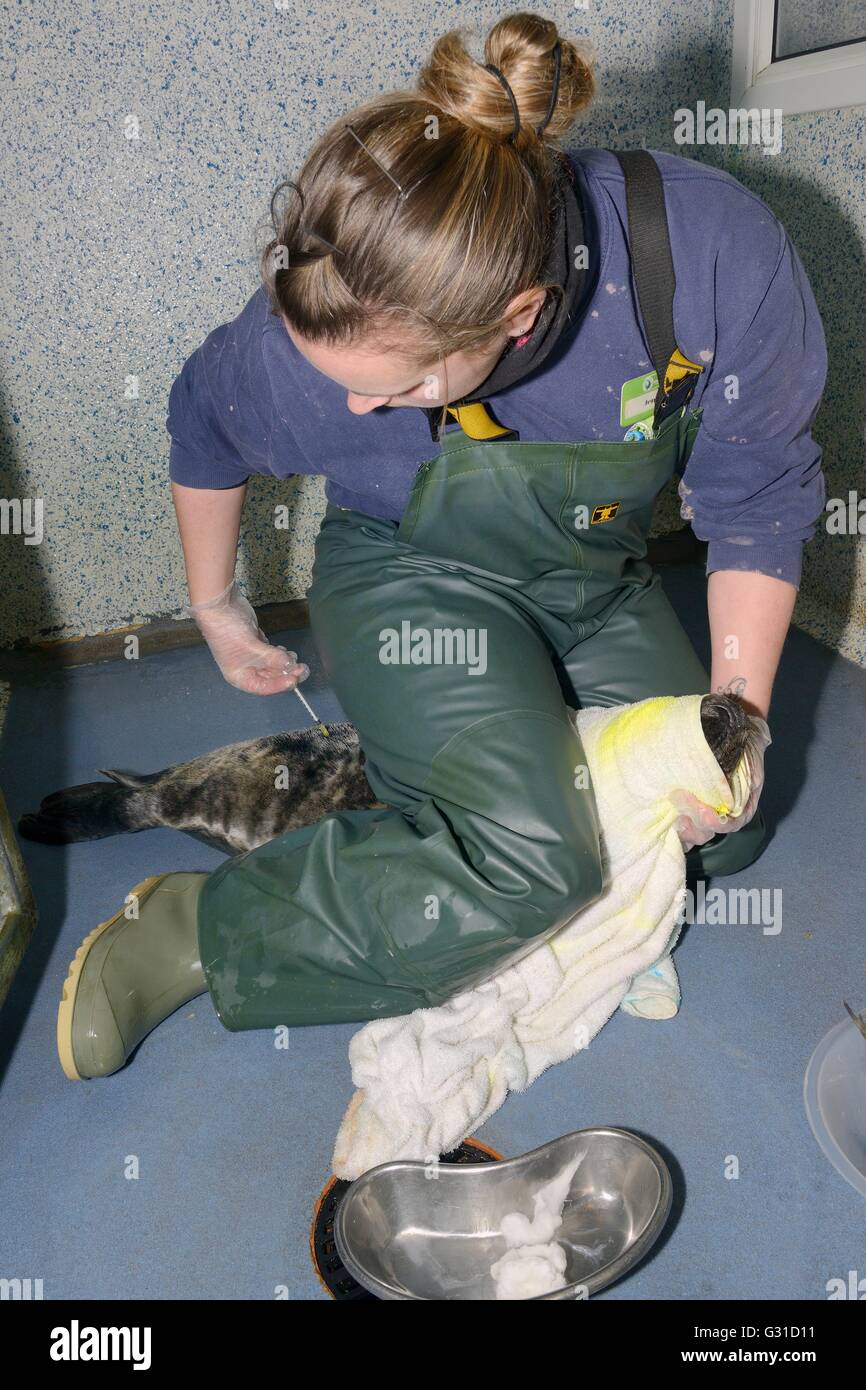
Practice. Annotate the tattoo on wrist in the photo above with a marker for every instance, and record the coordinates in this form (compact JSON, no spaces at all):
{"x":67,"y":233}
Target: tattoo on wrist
{"x":735,"y":686}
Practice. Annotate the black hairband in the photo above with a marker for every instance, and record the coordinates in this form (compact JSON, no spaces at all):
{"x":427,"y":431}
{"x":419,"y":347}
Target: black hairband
{"x":500,"y":77}
{"x":307,"y":231}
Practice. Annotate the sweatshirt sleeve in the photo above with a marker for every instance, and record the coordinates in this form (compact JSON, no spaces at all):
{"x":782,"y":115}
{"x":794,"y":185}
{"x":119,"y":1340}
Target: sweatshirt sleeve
{"x":201,"y":453}
{"x":753,"y":486}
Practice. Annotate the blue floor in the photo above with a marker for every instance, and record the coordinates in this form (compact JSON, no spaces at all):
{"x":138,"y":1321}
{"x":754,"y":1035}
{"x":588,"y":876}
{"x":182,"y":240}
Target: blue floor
{"x":232,"y":1138}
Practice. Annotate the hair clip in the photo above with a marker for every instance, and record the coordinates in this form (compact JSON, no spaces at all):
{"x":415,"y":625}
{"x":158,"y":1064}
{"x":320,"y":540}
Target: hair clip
{"x":403,"y":193}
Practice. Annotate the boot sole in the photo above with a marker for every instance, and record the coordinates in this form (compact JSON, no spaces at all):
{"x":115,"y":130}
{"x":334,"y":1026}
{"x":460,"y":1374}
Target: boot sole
{"x":73,"y":978}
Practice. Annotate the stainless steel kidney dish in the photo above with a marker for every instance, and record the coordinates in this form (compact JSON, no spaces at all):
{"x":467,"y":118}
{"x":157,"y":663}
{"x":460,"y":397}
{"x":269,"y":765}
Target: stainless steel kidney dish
{"x":407,"y":1230}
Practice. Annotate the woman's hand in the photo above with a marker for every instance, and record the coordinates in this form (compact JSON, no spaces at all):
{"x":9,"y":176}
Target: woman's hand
{"x":241,"y":650}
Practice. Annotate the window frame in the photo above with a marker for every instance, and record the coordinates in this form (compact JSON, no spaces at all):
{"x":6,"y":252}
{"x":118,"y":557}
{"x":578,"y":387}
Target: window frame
{"x":819,"y":81}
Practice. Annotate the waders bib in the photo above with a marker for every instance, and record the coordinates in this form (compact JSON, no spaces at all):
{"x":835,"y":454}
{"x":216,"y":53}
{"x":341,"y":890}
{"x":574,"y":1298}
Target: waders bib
{"x":515,"y":583}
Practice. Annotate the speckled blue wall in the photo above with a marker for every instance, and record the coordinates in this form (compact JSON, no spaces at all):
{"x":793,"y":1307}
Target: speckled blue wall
{"x":817,"y":186}
{"x":142,"y":142}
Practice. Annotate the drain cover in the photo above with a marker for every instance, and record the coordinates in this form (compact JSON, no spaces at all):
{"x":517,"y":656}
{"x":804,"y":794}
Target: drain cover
{"x":326,"y":1260}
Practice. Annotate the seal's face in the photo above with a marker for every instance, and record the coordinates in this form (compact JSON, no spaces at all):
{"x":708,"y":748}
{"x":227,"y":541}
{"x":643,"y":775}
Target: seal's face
{"x":726,"y":729}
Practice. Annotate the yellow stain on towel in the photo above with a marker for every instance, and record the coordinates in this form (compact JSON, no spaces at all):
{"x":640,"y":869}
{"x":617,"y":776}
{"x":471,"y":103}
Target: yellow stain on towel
{"x":635,"y":722}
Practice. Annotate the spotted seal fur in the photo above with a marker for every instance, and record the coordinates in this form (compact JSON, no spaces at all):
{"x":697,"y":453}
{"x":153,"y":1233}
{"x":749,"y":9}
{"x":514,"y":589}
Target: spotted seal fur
{"x":241,"y":796}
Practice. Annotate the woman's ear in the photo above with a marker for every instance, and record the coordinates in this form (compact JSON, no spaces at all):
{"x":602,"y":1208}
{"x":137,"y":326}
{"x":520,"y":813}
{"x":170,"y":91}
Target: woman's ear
{"x":522,"y":311}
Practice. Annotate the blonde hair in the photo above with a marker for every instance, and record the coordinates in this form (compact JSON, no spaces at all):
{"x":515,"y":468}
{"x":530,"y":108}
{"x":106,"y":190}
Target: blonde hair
{"x":430,"y":272}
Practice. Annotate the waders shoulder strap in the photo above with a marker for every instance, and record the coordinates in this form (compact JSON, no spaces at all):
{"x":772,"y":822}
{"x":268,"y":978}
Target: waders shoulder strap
{"x":655,"y":281}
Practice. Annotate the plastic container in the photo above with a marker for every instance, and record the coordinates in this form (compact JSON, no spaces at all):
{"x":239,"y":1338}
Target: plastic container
{"x":834,"y":1091}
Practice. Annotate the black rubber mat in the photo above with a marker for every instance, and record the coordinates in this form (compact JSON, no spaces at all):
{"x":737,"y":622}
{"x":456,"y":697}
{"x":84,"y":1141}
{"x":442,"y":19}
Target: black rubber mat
{"x":331,"y":1271}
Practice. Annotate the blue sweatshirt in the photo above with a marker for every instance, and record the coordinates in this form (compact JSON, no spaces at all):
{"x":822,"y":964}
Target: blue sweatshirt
{"x":247,"y":401}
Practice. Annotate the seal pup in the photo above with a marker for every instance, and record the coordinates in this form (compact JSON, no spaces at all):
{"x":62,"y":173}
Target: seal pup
{"x":234,"y":798}
{"x":245,"y":794}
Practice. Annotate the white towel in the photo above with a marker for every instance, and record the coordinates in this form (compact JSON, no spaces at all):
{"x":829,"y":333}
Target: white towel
{"x":427,"y":1079}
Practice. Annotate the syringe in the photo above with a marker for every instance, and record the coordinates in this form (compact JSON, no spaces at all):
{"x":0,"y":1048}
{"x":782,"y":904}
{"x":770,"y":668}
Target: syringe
{"x":312,"y":713}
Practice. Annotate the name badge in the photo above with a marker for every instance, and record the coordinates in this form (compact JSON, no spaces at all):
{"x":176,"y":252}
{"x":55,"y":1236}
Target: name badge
{"x":637,"y":398}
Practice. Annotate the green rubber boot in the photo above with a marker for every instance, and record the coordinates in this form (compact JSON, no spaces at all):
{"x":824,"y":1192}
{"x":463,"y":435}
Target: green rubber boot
{"x":129,"y":974}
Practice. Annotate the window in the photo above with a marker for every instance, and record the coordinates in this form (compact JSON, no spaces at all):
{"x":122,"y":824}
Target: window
{"x":795,"y":56}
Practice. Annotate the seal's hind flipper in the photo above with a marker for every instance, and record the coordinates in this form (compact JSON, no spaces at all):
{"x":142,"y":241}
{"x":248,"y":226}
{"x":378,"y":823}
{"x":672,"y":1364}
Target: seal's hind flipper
{"x":86,"y":812}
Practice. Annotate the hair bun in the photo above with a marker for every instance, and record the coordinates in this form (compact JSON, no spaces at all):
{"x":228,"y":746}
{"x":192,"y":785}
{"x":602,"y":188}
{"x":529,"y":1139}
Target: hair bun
{"x":521,"y":46}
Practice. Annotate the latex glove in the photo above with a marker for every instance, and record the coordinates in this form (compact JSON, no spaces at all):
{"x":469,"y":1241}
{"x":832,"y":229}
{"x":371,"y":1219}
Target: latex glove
{"x":241,"y":650}
{"x":697,"y":822}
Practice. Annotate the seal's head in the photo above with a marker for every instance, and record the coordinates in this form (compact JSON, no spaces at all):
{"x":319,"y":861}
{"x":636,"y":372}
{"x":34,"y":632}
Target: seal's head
{"x":726,"y":729}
